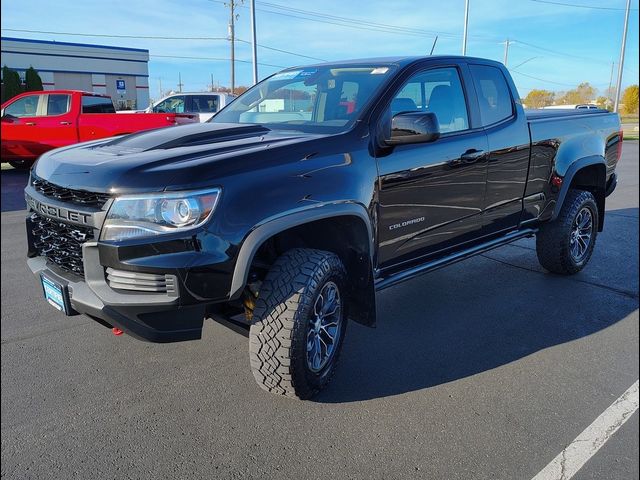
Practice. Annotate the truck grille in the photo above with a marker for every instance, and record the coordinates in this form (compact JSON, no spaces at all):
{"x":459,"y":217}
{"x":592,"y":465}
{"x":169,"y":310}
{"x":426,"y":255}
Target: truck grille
{"x":79,"y":197}
{"x":60,"y":242}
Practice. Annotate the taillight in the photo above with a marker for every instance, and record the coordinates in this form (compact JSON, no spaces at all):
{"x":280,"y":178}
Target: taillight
{"x":619,"y":148}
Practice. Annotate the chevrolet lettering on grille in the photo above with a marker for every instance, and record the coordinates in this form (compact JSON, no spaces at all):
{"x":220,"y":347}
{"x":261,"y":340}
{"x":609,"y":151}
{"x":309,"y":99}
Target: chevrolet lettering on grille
{"x":60,"y":213}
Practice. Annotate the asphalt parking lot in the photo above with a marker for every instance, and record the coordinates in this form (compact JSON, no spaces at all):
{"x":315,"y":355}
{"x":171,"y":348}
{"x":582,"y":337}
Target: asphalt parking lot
{"x":486,"y":369}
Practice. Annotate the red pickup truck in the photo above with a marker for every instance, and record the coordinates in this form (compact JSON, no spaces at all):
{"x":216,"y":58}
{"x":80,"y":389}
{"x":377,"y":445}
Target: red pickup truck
{"x":36,"y":122}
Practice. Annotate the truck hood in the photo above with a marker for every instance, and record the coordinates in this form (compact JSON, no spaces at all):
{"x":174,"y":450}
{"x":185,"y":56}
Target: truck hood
{"x":173,"y":158}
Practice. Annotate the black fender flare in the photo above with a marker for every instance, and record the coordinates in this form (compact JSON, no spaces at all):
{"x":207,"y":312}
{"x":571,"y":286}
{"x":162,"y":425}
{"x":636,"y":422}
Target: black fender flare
{"x":259,"y":234}
{"x":571,"y":172}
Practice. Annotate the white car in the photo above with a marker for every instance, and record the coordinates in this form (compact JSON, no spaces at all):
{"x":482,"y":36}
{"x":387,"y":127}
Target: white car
{"x":205,"y":104}
{"x":580,"y":106}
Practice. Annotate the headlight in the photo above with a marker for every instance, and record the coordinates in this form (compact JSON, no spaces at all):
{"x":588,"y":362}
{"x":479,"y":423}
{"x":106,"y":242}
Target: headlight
{"x":149,"y":215}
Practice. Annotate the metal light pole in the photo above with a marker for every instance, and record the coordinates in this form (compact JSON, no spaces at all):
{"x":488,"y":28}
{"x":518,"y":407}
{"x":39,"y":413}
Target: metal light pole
{"x":621,"y":63}
{"x":232,"y":38}
{"x":254,"y":45}
{"x":610,"y":83}
{"x":506,"y":52}
{"x":466,"y":26}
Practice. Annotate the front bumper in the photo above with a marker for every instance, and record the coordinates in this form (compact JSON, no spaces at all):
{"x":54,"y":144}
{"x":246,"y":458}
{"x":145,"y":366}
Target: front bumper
{"x":155,"y":289}
{"x":152,"y":317}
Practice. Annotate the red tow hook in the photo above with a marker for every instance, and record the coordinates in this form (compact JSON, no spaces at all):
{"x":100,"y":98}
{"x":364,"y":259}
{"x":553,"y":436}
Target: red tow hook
{"x":116,"y":331}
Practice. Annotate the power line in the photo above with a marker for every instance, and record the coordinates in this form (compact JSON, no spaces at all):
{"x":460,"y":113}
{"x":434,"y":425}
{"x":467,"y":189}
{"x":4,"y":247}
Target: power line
{"x":75,"y":34}
{"x":357,"y":21}
{"x":542,"y":79}
{"x":592,"y":7}
{"x":351,"y":22}
{"x":152,"y":37}
{"x":549,"y":81}
{"x":214,"y":58}
{"x":70,"y":51}
{"x":283,"y":51}
{"x":562,"y":54}
{"x":388,"y":28}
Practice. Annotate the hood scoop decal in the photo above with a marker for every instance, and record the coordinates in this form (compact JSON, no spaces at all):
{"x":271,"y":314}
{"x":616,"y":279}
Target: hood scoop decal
{"x":181,"y":136}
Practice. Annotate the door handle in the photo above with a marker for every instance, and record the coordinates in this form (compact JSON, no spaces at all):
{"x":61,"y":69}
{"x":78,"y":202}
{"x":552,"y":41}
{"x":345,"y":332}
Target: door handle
{"x":65,"y":123}
{"x":471,"y":156}
{"x":30,"y":124}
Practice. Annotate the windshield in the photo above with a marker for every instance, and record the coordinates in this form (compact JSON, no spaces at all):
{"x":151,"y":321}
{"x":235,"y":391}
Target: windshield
{"x":322,"y":99}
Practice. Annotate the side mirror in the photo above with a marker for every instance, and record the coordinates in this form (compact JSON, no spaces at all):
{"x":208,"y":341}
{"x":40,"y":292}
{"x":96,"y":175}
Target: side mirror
{"x":414,"y":127}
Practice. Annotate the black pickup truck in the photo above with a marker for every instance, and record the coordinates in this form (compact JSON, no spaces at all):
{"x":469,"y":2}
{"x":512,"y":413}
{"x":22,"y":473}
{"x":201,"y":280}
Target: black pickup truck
{"x":315,"y":189}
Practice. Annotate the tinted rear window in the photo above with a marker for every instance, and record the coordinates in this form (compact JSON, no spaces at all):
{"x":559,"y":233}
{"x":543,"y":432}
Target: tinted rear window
{"x":493,"y":92}
{"x":204,"y":103}
{"x":97,"y":105}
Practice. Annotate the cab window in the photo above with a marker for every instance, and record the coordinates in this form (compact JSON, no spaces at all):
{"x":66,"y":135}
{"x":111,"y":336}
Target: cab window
{"x":170,"y":105}
{"x":204,"y":103}
{"x":438,"y":91}
{"x":97,"y":105}
{"x":23,"y":107}
{"x":58,"y":104}
{"x":494,"y":95}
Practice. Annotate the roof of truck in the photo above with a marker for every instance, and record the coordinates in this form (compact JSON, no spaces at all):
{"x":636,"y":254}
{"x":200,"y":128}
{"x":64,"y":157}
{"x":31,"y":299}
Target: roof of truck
{"x":398,"y":60}
{"x":65,"y":92}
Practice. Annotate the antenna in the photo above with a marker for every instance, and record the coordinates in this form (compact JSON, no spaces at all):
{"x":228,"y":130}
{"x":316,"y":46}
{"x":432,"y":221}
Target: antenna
{"x":433,"y":47}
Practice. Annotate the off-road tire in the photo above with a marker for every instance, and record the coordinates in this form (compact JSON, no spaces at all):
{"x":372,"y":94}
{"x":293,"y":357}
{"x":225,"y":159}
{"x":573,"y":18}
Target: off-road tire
{"x":553,"y":240}
{"x":280,"y":324}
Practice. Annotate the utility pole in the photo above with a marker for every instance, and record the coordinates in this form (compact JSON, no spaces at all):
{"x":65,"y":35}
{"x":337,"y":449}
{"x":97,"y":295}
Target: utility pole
{"x":179,"y":82}
{"x":232,"y":39}
{"x":610,"y":83}
{"x":160,"y":86}
{"x":506,"y":51}
{"x":621,"y":62}
{"x":211,"y":87}
{"x":254,"y":45}
{"x":466,"y":25}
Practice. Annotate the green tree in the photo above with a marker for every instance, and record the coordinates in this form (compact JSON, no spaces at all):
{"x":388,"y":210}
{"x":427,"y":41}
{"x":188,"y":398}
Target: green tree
{"x":630,"y":100}
{"x":604,"y":102}
{"x":583,"y":93}
{"x":32,"y":80}
{"x":539,"y":98}
{"x":11,"y":84}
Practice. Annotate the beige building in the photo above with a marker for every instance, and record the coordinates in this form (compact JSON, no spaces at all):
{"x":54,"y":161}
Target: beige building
{"x":122,"y":73}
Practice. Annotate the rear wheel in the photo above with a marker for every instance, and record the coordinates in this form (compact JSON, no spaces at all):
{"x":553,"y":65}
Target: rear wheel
{"x":299,"y":323}
{"x":565,"y":245}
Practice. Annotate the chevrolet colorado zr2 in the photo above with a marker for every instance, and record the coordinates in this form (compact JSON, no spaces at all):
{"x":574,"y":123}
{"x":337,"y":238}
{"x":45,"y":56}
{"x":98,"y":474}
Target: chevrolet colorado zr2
{"x":312,"y":191}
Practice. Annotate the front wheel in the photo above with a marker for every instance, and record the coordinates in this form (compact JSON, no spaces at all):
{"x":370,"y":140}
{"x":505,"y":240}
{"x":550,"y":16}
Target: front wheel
{"x":565,"y":245}
{"x":299,"y":323}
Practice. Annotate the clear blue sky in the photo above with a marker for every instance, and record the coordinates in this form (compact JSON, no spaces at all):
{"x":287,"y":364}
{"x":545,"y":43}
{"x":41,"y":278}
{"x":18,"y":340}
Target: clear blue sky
{"x":560,"y":45}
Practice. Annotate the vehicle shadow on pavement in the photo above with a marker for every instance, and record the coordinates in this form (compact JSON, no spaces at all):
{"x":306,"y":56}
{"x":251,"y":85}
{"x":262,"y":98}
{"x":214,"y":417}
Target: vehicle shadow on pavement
{"x":13,"y":183}
{"x":481,"y":314}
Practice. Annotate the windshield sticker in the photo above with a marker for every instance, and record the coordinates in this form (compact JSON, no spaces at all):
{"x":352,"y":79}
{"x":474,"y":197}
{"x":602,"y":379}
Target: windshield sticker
{"x":379,"y":70}
{"x":288,"y":75}
{"x":308,"y":72}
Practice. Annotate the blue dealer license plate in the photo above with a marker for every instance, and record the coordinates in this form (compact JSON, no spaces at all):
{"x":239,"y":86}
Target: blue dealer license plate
{"x":55,"y":294}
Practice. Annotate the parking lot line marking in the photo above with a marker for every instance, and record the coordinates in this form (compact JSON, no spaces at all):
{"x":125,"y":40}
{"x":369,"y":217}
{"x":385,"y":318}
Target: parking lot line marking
{"x":592,"y":438}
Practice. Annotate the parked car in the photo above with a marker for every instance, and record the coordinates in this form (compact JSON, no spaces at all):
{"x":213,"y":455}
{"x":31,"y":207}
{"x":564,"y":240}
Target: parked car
{"x":36,"y":122}
{"x":580,"y":106}
{"x":292,"y":220}
{"x":203,"y":104}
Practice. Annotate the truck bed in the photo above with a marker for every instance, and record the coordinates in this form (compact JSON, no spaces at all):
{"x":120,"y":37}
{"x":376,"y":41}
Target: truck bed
{"x":544,"y":114}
